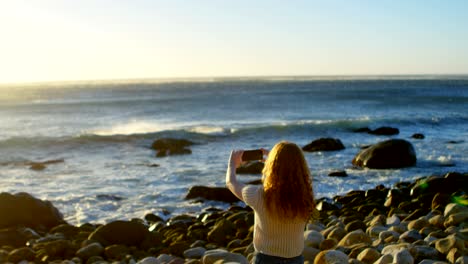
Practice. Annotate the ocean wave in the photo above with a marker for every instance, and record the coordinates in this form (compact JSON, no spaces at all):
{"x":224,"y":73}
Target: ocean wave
{"x":142,"y":130}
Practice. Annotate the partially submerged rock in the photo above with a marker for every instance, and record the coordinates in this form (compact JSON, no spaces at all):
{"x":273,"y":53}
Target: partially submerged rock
{"x":393,"y":153}
{"x":324,"y":144}
{"x":171,"y":146}
{"x":212,"y":193}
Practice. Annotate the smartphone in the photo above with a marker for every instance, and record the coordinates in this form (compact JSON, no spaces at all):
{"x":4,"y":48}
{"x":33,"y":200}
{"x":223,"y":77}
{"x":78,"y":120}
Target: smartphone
{"x":256,"y":154}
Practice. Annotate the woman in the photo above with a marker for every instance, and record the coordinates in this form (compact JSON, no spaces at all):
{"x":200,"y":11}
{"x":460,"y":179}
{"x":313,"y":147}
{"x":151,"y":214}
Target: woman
{"x":282,"y":205}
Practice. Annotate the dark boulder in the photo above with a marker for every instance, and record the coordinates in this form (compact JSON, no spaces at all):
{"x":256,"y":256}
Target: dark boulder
{"x":418,"y":136}
{"x":324,"y":144}
{"x":338,"y":174}
{"x":22,"y":209}
{"x":171,"y":146}
{"x":362,"y":130}
{"x":450,"y":183}
{"x":385,"y":131}
{"x":394,"y":153}
{"x":252,"y":167}
{"x":211,"y":193}
{"x":130,"y":233}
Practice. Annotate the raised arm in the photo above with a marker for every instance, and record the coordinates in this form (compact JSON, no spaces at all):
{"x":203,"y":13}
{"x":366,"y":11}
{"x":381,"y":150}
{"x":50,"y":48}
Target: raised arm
{"x":231,"y":180}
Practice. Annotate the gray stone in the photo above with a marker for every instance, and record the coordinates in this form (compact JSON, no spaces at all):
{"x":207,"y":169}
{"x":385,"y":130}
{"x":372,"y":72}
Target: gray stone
{"x":393,"y":220}
{"x":194,"y":253}
{"x":212,"y":256}
{"x":313,"y":238}
{"x":403,"y":257}
{"x":149,"y":260}
{"x":93,"y":249}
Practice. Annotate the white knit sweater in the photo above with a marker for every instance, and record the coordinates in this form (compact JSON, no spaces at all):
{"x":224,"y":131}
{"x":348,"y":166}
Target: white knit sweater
{"x":271,"y":235}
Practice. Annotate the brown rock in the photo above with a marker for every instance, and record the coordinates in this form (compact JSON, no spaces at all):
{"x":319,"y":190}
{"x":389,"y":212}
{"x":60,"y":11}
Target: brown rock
{"x":128,"y":233}
{"x":369,"y":255}
{"x":444,"y":245}
{"x":354,"y":237}
{"x":331,"y":257}
{"x":394,"y":153}
{"x":324,"y":144}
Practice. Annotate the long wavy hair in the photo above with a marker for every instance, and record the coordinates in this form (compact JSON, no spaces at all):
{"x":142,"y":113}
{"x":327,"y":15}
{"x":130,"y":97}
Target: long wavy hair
{"x":287,"y":184}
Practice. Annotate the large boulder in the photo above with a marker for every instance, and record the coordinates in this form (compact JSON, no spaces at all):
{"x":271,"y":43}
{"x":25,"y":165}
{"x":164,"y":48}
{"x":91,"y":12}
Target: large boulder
{"x":171,"y":146}
{"x":128,"y":233}
{"x":22,"y":209}
{"x":324,"y":144}
{"x":385,"y":131}
{"x":211,"y":193}
{"x":393,"y":153}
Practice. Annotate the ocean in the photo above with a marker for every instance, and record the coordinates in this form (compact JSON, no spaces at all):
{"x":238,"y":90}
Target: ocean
{"x":103,"y":132}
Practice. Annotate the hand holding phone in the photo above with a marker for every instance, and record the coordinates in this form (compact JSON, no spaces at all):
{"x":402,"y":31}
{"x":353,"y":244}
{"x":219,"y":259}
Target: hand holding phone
{"x":256,"y":154}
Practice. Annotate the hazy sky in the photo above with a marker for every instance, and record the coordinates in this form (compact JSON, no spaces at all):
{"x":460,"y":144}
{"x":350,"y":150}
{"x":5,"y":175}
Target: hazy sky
{"x":50,"y":40}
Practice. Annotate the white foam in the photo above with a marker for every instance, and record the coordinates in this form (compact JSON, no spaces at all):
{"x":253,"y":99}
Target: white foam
{"x":209,"y":130}
{"x":133,"y":127}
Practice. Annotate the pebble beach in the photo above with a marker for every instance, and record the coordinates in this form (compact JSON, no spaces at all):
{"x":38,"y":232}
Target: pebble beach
{"x":425,"y":221}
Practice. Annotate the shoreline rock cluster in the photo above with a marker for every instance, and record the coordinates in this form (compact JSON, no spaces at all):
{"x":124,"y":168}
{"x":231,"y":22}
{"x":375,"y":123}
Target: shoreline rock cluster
{"x":425,"y":221}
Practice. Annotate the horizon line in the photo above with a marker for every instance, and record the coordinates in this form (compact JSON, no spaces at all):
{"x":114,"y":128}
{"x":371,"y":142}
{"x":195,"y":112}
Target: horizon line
{"x":333,"y":77}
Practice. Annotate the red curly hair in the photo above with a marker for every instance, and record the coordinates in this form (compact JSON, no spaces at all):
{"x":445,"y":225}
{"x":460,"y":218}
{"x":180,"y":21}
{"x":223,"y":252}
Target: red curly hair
{"x":287,"y":182}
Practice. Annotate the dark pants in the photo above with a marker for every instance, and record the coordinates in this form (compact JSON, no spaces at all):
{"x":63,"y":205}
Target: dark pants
{"x":260,"y":258}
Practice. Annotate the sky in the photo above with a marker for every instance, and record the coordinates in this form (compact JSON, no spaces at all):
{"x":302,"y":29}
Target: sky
{"x":67,"y":40}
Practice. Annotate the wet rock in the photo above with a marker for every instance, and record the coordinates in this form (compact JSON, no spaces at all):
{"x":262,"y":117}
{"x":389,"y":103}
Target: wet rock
{"x":385,"y":131}
{"x":22,"y":209}
{"x":93,"y":249}
{"x":171,"y":146}
{"x":324,"y":144}
{"x":362,"y":130}
{"x":331,"y":257}
{"x":128,"y":233}
{"x":251,"y":167}
{"x":211,"y":193}
{"x":338,"y":174}
{"x":394,"y":153}
{"x":417,"y":136}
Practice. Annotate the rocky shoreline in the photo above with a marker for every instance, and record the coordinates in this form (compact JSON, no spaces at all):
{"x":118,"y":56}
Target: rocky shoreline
{"x":425,"y":221}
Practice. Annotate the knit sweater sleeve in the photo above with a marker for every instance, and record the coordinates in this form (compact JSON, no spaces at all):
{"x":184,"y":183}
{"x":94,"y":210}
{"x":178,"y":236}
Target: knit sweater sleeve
{"x":250,"y":195}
